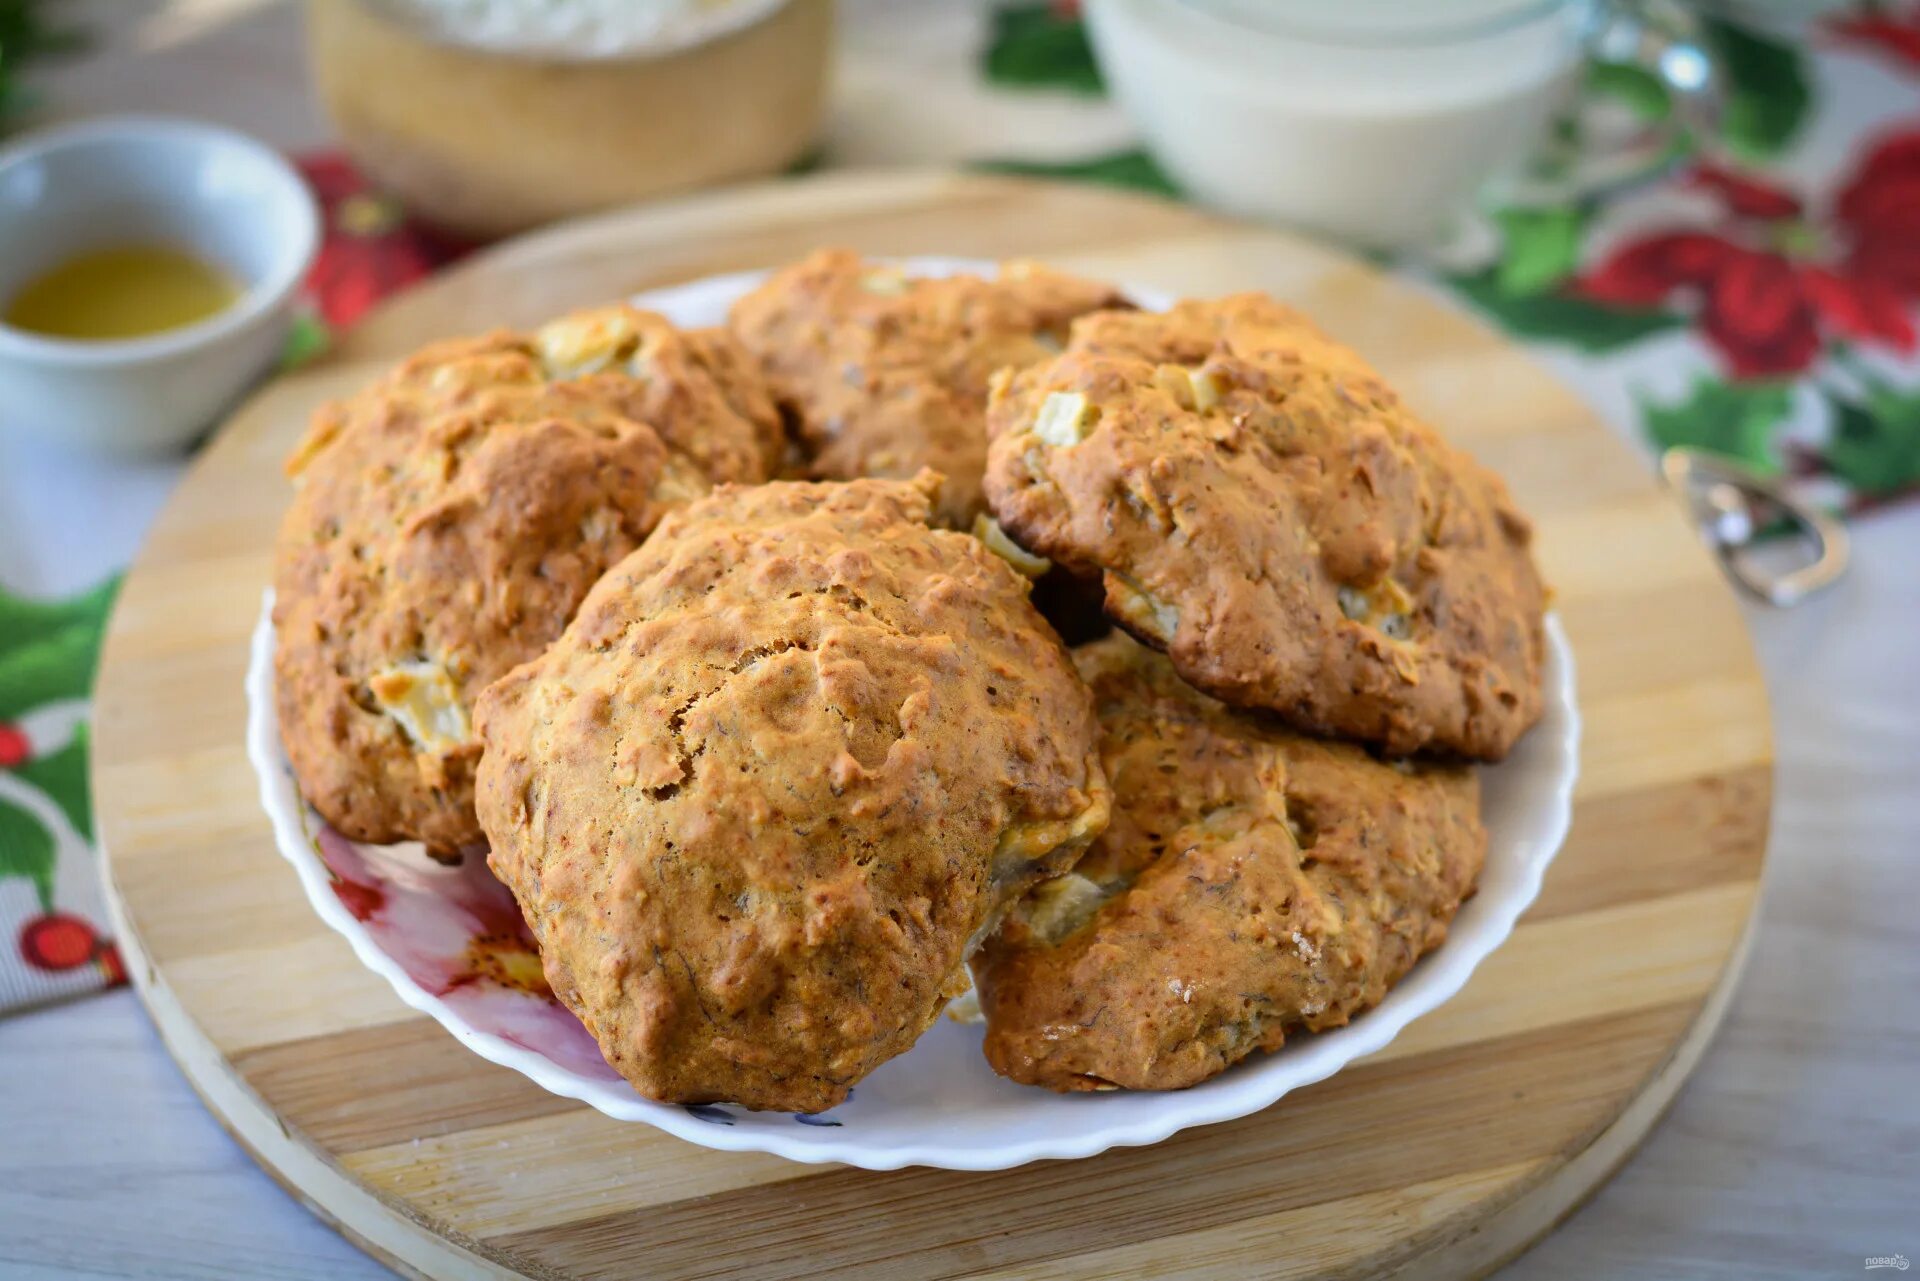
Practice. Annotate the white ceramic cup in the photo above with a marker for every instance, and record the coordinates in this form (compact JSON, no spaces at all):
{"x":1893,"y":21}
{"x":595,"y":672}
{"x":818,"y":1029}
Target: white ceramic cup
{"x":1373,"y":121}
{"x":137,"y":180}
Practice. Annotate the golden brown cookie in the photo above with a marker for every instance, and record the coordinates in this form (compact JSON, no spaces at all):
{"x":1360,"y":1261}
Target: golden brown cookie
{"x":1253,"y":881}
{"x":788,"y":763}
{"x":1262,"y":507}
{"x":884,"y":374}
{"x":449,"y":519}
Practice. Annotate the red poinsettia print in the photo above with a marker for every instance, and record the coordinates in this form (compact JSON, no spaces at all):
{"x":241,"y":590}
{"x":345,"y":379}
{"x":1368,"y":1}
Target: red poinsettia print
{"x":1743,"y":196}
{"x":1881,"y":208}
{"x":368,"y":248}
{"x":1891,"y":30}
{"x":1772,"y":284}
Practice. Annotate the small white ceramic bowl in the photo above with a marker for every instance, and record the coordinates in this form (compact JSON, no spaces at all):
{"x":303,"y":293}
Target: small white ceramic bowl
{"x":132,"y":180}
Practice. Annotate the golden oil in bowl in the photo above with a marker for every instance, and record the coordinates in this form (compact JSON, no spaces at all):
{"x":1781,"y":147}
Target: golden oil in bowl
{"x":127,"y":292}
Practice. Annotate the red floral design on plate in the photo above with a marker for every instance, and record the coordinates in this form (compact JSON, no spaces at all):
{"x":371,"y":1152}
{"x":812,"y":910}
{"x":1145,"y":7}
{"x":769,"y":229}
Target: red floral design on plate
{"x":1772,"y":284}
{"x":360,"y":898}
{"x":458,"y":934}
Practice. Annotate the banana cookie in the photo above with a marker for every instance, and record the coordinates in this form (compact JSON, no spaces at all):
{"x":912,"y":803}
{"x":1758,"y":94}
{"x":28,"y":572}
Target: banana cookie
{"x":883,"y":373}
{"x":788,"y":764}
{"x":1253,"y":882}
{"x":1260,"y":505}
{"x":448,"y":520}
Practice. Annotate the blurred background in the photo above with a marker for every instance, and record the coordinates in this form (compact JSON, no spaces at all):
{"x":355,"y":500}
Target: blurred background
{"x":1702,"y":215}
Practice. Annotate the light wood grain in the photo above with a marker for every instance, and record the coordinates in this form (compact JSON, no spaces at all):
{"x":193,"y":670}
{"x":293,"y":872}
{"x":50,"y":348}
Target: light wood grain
{"x":1442,"y":1156}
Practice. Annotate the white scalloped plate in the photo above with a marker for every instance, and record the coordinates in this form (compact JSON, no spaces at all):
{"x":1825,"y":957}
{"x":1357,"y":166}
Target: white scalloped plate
{"x":451,"y":943}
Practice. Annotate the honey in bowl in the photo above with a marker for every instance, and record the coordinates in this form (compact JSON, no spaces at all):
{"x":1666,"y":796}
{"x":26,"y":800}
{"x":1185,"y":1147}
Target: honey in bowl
{"x":127,"y":292}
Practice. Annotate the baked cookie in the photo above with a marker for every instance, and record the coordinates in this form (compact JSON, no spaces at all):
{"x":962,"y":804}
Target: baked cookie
{"x":1258,"y":504}
{"x":787,"y":765}
{"x":448,"y":520}
{"x":883,"y":374}
{"x":1253,"y":881}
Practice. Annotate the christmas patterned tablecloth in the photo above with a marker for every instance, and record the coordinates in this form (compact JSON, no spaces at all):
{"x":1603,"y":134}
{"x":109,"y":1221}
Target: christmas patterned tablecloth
{"x":1759,"y":300}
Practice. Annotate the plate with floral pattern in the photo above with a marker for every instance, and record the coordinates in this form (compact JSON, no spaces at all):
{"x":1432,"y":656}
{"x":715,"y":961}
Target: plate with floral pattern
{"x":452,"y":944}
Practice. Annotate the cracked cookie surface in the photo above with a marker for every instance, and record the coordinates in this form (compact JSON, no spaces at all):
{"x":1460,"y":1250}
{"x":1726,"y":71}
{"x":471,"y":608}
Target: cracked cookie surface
{"x":1252,"y":882}
{"x":884,"y":373}
{"x":1260,"y":505}
{"x":788,"y":763}
{"x":448,"y":520}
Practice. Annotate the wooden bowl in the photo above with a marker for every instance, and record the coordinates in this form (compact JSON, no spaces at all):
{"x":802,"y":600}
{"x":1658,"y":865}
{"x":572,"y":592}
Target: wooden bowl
{"x":486,"y":143}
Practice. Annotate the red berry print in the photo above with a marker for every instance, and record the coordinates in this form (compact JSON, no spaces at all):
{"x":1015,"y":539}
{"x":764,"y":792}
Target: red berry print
{"x":58,"y":941}
{"x":14,"y":747}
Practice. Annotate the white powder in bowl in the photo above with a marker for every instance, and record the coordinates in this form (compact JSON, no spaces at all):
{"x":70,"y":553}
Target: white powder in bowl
{"x":579,"y":28}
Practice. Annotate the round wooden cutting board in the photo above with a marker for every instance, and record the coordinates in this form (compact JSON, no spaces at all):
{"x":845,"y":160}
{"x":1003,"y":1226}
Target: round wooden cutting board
{"x":1442,"y":1156}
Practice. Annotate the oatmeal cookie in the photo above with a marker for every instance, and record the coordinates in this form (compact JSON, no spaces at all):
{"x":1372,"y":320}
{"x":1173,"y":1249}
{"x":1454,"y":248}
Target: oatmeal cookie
{"x":883,"y":374}
{"x":448,"y":520}
{"x":1253,"y":882}
{"x":787,"y":765}
{"x":1258,"y":504}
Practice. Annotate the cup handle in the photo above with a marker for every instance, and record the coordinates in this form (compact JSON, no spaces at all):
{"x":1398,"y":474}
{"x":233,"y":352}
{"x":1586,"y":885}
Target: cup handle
{"x":1664,"y":39}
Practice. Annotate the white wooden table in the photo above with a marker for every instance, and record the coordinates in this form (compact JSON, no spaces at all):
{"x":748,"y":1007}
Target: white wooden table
{"x":1794,"y":1152}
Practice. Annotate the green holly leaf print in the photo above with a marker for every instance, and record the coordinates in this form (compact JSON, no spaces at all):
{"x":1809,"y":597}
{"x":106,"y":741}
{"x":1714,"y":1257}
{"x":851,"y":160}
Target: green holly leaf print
{"x":26,"y":850}
{"x":1134,"y":170}
{"x":1541,"y":247}
{"x":1632,"y":86}
{"x":1875,"y":445}
{"x":63,"y":777}
{"x":1739,"y":420}
{"x":23,"y":620}
{"x":1560,"y":317}
{"x":1766,"y":88}
{"x":48,"y":649}
{"x":42,"y":671}
{"x":1033,"y":46}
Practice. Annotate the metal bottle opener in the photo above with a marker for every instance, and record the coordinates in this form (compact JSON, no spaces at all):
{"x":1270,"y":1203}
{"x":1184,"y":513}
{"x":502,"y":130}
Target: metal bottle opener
{"x":1733,"y":507}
